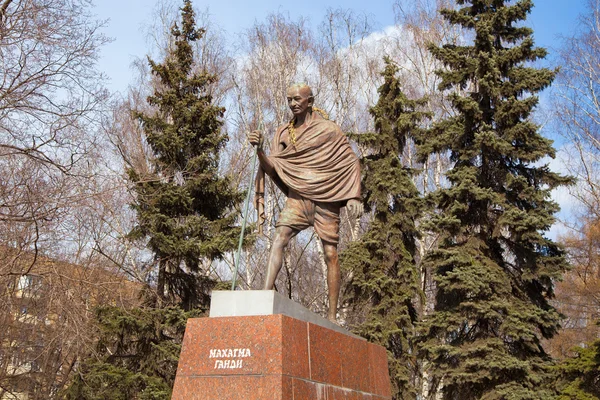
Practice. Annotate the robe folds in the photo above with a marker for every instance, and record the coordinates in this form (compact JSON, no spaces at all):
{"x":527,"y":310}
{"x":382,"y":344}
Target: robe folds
{"x":321,"y":166}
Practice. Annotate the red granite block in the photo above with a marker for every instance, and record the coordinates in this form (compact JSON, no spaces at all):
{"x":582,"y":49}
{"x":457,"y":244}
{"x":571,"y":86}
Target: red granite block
{"x":231,"y":388}
{"x":287,"y":388}
{"x":208,"y":341}
{"x":308,"y":390}
{"x":352,"y":395}
{"x":335,"y":393}
{"x":295,"y":348}
{"x":325,"y":361}
{"x":356,"y":370}
{"x":331,"y":393}
{"x":380,"y":374}
{"x":277,"y":357}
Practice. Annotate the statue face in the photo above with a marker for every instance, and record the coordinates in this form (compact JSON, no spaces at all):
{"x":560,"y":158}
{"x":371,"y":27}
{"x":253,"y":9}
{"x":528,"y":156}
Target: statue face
{"x":299,"y":100}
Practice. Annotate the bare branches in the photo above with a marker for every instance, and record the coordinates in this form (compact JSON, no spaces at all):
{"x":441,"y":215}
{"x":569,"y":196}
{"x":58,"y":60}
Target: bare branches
{"x":51,"y":100}
{"x":50,"y":95}
{"x":3,"y":9}
{"x":577,"y":107}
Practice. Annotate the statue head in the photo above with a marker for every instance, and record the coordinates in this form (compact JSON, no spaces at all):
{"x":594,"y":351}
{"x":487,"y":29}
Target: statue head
{"x":300,"y":99}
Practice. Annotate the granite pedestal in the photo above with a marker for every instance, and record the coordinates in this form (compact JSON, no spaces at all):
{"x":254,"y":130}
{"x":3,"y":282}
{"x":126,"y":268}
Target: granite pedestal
{"x":260,"y":345}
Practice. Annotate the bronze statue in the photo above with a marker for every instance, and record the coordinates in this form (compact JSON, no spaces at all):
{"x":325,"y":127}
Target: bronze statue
{"x":312,"y":162}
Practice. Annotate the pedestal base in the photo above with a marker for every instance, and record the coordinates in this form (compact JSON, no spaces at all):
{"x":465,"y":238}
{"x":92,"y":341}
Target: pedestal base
{"x":277,"y":357}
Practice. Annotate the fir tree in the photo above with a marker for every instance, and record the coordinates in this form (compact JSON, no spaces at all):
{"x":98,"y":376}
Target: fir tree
{"x":185,"y":209}
{"x":579,"y":376}
{"x":385,"y":281}
{"x":143,"y":350}
{"x":494,"y":266}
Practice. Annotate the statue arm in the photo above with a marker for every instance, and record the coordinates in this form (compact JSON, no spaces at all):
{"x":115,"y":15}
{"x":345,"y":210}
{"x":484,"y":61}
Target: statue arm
{"x":257,"y":139}
{"x":265,"y":163}
{"x":355,"y":205}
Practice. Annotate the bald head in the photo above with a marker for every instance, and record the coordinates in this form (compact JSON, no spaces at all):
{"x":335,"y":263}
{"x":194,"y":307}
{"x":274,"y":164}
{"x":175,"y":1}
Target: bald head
{"x":300,"y":99}
{"x":303,"y":88}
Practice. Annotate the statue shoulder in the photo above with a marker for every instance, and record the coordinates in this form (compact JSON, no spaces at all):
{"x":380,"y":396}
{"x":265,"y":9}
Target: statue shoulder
{"x":331,"y":126}
{"x":281,"y":128}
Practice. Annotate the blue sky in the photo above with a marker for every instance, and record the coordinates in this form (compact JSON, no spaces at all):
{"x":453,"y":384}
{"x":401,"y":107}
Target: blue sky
{"x":549,"y":19}
{"x":126,"y":19}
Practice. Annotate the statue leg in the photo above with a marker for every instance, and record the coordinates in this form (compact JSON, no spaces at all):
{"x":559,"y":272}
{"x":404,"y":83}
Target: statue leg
{"x":283,"y":235}
{"x":333,"y":277}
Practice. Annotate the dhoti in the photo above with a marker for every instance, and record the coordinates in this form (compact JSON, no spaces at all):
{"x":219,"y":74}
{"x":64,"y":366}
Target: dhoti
{"x":299,"y":213}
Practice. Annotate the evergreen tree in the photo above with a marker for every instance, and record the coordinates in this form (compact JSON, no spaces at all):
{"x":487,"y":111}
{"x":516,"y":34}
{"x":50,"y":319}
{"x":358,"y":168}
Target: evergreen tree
{"x":579,"y":376}
{"x":385,"y":284}
{"x":143,"y":350}
{"x":185,"y":209}
{"x":494,"y":267}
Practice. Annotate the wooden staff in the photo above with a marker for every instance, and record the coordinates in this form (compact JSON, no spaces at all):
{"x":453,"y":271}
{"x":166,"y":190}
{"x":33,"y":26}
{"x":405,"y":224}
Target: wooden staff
{"x":239,"y":250}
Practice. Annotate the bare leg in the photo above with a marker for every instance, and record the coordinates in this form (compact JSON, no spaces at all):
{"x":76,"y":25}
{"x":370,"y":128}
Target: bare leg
{"x":283,"y":234}
{"x":333,"y":278}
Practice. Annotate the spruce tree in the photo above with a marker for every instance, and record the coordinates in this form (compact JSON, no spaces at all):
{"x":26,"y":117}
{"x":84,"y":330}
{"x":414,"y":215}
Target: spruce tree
{"x":578,"y":376}
{"x":144,"y":345}
{"x":185,"y":209}
{"x":494,"y":267}
{"x":385,"y":285}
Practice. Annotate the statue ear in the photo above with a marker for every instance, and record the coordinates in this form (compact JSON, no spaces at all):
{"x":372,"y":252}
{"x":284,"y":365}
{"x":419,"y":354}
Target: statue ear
{"x":311,"y":101}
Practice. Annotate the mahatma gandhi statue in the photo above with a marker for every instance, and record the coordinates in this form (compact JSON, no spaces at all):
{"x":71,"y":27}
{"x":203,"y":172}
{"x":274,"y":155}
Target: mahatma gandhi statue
{"x":312,"y":162}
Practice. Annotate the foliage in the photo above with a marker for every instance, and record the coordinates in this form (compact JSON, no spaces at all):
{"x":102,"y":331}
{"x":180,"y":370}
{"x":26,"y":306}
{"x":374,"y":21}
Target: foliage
{"x":137,"y":354}
{"x":578,"y":376}
{"x":385,"y":285}
{"x":184,"y":206}
{"x":494,"y":267}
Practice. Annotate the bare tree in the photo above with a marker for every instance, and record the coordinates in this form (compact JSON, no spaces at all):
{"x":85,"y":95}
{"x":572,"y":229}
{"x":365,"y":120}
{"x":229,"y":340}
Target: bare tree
{"x":50,"y":98}
{"x":127,"y":146}
{"x":577,"y":105}
{"x":349,"y":65}
{"x":212,"y":50}
{"x":578,"y":294}
{"x":576,"y":108}
{"x":51,"y":102}
{"x":49,"y":89}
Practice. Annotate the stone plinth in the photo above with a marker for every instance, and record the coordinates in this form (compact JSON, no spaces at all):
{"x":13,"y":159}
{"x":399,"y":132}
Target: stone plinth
{"x":277,"y":357}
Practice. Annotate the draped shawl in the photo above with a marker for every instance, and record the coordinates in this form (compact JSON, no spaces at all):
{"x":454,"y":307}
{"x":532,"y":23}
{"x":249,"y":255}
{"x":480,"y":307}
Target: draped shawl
{"x":321,"y":166}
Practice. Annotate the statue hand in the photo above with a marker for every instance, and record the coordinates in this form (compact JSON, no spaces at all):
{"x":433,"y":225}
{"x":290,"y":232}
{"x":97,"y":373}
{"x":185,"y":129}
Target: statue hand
{"x":257,"y":139}
{"x":355,"y":208}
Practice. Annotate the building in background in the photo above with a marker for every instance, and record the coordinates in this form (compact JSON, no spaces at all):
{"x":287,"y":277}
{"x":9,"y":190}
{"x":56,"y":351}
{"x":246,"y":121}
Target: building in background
{"x":47,"y":311}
